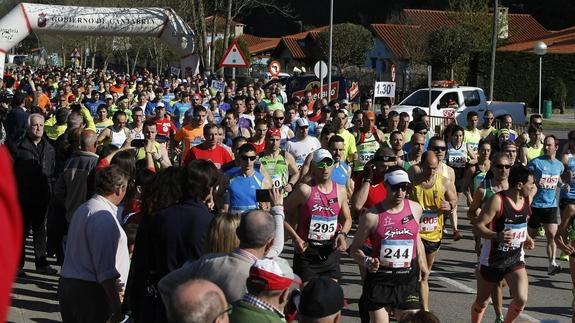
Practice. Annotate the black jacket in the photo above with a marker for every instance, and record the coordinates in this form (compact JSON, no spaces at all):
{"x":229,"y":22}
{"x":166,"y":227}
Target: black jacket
{"x":34,"y":168}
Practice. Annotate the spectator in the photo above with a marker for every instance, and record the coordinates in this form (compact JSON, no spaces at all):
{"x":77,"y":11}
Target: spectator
{"x":16,"y":121}
{"x":222,"y":234}
{"x":259,"y":236}
{"x":97,"y":260}
{"x":268,"y":292}
{"x":321,"y":301}
{"x":34,"y":164}
{"x":200,"y":301}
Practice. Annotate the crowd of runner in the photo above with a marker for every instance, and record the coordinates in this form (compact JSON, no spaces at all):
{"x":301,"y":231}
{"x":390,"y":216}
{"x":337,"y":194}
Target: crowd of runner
{"x":165,"y":201}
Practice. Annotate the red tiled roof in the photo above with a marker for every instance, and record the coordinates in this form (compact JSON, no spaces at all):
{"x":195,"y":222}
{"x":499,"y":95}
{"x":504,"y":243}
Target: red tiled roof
{"x":291,"y":41}
{"x":521,"y":26}
{"x":560,"y":42}
{"x":294,"y":48}
{"x":395,"y":36}
{"x":259,"y":44}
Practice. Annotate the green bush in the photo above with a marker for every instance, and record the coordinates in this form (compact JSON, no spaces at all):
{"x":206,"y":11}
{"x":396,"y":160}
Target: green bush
{"x":517,"y":77}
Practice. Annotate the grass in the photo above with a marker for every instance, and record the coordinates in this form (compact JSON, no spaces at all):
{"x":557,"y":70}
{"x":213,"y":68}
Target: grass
{"x":558,"y":125}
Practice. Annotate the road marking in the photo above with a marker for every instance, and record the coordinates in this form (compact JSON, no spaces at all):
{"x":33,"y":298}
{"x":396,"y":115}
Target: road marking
{"x":470,"y":290}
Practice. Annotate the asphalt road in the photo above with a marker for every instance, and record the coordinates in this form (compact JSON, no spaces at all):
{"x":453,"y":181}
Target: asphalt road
{"x":452,"y":285}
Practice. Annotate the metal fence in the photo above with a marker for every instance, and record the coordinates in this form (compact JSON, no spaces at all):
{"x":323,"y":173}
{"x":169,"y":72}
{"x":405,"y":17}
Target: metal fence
{"x":438,"y":125}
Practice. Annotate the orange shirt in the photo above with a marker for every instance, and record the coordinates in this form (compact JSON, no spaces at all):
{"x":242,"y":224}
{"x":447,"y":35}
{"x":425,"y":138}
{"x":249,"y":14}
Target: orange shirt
{"x":191,"y":136}
{"x":44,"y":101}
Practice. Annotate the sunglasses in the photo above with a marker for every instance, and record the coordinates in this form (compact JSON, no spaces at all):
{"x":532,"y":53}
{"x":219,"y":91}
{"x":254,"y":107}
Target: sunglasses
{"x":538,"y":123}
{"x":489,"y":118}
{"x":278,"y":118}
{"x":401,"y":186}
{"x":324,"y":164}
{"x":438,"y":148}
{"x":246,"y":158}
{"x":501,"y":166}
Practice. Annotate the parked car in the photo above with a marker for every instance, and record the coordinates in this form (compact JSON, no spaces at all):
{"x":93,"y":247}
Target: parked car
{"x":457,"y":101}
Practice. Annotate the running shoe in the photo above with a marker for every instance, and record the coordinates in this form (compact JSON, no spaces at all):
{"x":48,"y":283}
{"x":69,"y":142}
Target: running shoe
{"x":553,"y":269}
{"x":564,"y":256}
{"x":500,"y":319}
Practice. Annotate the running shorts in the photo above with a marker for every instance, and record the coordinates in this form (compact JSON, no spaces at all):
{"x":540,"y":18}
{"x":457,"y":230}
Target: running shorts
{"x":542,"y":215}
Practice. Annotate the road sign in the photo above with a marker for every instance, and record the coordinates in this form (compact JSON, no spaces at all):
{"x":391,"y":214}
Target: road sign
{"x":274,"y":67}
{"x":234,"y":57}
{"x":384,"y":90}
{"x":320,"y":69}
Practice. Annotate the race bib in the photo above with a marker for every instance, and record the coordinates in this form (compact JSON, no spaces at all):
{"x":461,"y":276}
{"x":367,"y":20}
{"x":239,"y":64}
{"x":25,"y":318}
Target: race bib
{"x":549,"y":182}
{"x":365,"y":156}
{"x":474,"y":146}
{"x":196,"y":141}
{"x":519,"y":232}
{"x":396,"y":253}
{"x":429,"y":221}
{"x":322,"y":228}
{"x":457,"y":160}
{"x":277,"y":181}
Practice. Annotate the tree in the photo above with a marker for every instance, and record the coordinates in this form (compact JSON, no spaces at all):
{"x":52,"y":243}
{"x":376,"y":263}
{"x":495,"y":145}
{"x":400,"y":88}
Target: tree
{"x":447,"y":45}
{"x":350,"y":45}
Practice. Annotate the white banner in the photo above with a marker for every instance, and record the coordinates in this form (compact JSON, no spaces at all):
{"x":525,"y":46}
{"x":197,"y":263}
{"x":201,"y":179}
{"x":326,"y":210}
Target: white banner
{"x":384,"y":90}
{"x":163,"y":23}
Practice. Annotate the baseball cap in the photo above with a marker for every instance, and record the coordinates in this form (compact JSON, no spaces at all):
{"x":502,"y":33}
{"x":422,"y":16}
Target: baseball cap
{"x":272,"y":274}
{"x":321,"y":297}
{"x":320,"y":155}
{"x":344,"y":102}
{"x":71,"y":99}
{"x":273,"y":132}
{"x":197,"y":96}
{"x":301,"y":122}
{"x":160,"y":105}
{"x":396,"y":177}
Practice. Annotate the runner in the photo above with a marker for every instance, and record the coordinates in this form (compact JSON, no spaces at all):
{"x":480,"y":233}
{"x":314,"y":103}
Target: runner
{"x":367,"y":141}
{"x":303,"y":144}
{"x":232,"y":129}
{"x":320,"y":215}
{"x":397,"y":260}
{"x":259,"y":138}
{"x":483,"y":166}
{"x":459,"y":156}
{"x":494,"y":183}
{"x":416,"y":150}
{"x":546,"y":170}
{"x":341,"y":172}
{"x":339,"y":125}
{"x":209,"y":149}
{"x":118,"y":134}
{"x":533,"y":148}
{"x":487,"y":127}
{"x":503,"y":226}
{"x":278,"y":123}
{"x":191,"y":134}
{"x":279,"y":164}
{"x":565,"y":237}
{"x":437,"y":196}
{"x":242,"y":188}
{"x":137,"y":126}
{"x":102,"y":121}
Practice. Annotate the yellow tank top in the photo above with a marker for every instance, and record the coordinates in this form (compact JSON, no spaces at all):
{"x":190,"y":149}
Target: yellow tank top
{"x":431,"y":224}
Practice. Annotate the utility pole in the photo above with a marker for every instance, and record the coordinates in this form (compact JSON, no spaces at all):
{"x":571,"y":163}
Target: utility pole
{"x":494,"y":35}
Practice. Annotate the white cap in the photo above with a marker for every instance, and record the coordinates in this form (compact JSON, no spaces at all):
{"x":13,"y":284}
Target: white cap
{"x":396,"y":177}
{"x":302,"y":122}
{"x":108,"y":96}
{"x":321,"y":154}
{"x":160,"y":104}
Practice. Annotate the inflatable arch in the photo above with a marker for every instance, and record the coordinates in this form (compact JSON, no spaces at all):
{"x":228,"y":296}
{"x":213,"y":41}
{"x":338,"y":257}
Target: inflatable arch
{"x":153,"y":22}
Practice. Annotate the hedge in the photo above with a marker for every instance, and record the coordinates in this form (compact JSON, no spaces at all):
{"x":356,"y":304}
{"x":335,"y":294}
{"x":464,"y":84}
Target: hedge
{"x":517,"y":74}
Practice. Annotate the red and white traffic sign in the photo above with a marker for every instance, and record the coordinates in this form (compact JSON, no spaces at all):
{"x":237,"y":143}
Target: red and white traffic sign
{"x":234,"y":57}
{"x":274,"y":68}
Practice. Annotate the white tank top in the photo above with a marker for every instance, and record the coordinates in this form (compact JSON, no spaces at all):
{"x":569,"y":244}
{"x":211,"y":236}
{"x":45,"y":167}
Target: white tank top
{"x":118,"y":137}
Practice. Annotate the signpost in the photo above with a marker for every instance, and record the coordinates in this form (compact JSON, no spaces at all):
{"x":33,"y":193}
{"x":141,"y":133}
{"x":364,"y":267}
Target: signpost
{"x":320,"y":71}
{"x":275,"y":69}
{"x":393,"y":80}
{"x":234,"y":57}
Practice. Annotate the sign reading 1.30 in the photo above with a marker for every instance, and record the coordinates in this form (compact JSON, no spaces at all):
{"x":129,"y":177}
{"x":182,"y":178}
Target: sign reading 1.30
{"x":384,"y":90}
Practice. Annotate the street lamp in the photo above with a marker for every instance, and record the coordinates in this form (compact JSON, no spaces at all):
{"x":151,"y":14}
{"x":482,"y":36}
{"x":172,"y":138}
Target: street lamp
{"x":540,"y":48}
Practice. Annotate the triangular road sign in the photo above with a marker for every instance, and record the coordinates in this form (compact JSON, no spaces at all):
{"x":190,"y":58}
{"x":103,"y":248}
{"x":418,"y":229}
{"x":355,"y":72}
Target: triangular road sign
{"x":234,"y":57}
